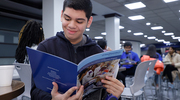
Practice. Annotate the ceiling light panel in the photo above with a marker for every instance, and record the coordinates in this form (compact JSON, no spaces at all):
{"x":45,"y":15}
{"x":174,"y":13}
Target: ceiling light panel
{"x":157,"y":28}
{"x":139,"y":33}
{"x":151,"y":37}
{"x":98,"y":37}
{"x":135,"y":5}
{"x":137,"y":17}
{"x":121,"y":27}
{"x":167,"y":1}
{"x":167,"y":34}
{"x":103,"y":33}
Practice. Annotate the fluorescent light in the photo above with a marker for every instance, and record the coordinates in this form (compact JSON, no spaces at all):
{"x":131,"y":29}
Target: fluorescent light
{"x":87,"y":29}
{"x":129,"y":31}
{"x":148,"y":24}
{"x":145,"y":35}
{"x":135,"y":5}
{"x":156,"y":39}
{"x":156,"y":27}
{"x":103,"y":33}
{"x":168,"y":34}
{"x":160,"y":40}
{"x":151,"y":37}
{"x":121,"y":27}
{"x":163,"y":31}
{"x":179,"y":40}
{"x":176,"y":37}
{"x":179,"y":10}
{"x":137,"y":17}
{"x":166,"y":42}
{"x":167,"y":1}
{"x":123,"y":41}
{"x":139,"y":33}
{"x":142,"y":45}
{"x":98,"y":37}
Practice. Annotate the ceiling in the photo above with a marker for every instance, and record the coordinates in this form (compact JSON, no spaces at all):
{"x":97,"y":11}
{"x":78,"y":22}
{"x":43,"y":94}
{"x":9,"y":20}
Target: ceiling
{"x":157,"y":12}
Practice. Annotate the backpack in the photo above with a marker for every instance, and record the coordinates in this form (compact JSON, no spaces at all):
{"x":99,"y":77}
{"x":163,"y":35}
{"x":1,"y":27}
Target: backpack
{"x":159,"y":66}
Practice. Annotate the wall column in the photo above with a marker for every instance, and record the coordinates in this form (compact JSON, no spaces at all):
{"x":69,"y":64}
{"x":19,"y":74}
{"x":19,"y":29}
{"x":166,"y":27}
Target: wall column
{"x":112,"y":22}
{"x":51,"y":20}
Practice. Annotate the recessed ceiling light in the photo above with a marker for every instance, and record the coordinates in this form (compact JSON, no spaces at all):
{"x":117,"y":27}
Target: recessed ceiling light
{"x":148,"y":24}
{"x":168,"y":34}
{"x":98,"y":37}
{"x":139,"y":33}
{"x":137,"y":17}
{"x":142,"y":45}
{"x":167,"y":1}
{"x":156,"y":27}
{"x":145,"y":35}
{"x":176,"y":37}
{"x":163,"y":31}
{"x":129,"y":31}
{"x":87,"y":29}
{"x":151,"y":37}
{"x":179,"y":10}
{"x":103,"y":33}
{"x":166,"y":42}
{"x":123,"y":41}
{"x":135,"y":5}
{"x":121,"y":27}
{"x":160,"y":40}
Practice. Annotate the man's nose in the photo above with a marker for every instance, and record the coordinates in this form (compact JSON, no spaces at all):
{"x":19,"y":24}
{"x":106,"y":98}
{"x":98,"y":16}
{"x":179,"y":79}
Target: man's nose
{"x":72,"y":24}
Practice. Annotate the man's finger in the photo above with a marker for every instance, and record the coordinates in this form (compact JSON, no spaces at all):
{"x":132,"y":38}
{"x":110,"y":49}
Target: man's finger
{"x":55,"y":88}
{"x":70,"y":91}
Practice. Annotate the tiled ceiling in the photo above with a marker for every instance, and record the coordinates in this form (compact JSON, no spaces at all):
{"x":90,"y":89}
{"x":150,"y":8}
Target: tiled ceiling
{"x":157,"y":12}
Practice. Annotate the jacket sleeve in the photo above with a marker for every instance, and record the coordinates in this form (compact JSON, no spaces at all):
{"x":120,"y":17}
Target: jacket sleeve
{"x":178,"y":61}
{"x":36,"y":93}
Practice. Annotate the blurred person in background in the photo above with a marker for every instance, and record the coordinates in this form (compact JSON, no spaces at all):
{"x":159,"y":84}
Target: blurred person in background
{"x":172,"y":62}
{"x":30,"y":35}
{"x":178,"y":50}
{"x":103,"y":45}
{"x":151,"y":53}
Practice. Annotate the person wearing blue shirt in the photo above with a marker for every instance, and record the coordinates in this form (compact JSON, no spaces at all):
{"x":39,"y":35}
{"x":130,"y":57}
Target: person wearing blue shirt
{"x":132,"y":56}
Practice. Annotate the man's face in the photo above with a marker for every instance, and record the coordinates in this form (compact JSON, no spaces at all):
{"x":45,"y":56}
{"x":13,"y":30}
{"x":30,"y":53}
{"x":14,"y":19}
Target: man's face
{"x":74,"y":23}
{"x":127,"y":48}
{"x":171,"y":50}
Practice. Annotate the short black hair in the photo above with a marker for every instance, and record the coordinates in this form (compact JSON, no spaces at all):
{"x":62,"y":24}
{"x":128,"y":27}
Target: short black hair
{"x":127,"y":44}
{"x":84,"y":5}
{"x":102,"y":43}
{"x":173,"y":48}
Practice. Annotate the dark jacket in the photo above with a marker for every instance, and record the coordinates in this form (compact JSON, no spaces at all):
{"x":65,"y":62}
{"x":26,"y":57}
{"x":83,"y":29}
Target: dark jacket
{"x":60,"y":46}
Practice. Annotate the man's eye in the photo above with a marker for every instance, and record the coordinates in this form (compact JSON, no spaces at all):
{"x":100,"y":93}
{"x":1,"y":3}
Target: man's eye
{"x":68,"y":19}
{"x":80,"y":22}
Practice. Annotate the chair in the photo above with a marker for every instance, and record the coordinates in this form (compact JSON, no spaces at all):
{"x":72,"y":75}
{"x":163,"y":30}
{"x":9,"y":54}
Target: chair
{"x":138,"y":84}
{"x":24,"y":71}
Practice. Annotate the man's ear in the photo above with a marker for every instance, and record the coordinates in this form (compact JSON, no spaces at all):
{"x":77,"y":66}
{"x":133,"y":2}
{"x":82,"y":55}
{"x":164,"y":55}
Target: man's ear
{"x":61,"y":15}
{"x":89,"y":22}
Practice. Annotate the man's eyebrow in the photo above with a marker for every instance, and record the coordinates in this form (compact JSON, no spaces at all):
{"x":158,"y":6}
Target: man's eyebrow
{"x":76,"y":19}
{"x":67,"y":15}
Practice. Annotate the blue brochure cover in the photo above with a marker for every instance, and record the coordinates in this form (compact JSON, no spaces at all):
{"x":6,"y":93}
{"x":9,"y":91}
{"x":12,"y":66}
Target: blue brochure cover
{"x":48,"y":68}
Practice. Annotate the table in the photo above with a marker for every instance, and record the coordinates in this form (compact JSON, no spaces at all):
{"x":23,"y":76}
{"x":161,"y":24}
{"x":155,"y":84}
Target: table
{"x":10,"y":92}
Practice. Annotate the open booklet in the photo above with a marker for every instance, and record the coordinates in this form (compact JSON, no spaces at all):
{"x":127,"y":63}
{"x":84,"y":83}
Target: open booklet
{"x":47,"y":68}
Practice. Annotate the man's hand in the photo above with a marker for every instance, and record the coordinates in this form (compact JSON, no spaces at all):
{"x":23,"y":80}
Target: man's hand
{"x":113,"y":86}
{"x":67,"y":96}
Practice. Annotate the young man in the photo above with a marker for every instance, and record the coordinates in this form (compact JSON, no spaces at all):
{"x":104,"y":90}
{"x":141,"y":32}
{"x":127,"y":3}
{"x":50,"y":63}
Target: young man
{"x":129,"y":54}
{"x":71,"y":44}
